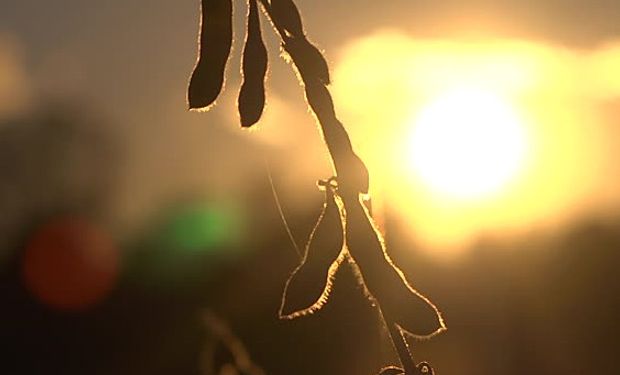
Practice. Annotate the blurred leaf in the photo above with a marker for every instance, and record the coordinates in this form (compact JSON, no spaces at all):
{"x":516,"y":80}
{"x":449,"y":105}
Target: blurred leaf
{"x":228,"y":354}
{"x":215,"y":42}
{"x":308,"y":287}
{"x":252,"y":95}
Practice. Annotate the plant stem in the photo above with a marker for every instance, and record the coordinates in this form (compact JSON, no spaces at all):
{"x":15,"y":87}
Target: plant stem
{"x":344,"y":160}
{"x":402,"y":349}
{"x":267,"y":8}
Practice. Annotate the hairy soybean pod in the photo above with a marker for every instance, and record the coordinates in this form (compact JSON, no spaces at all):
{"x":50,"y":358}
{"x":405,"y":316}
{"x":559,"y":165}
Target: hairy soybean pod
{"x":286,"y":15}
{"x":308,"y":59}
{"x":309,"y":286}
{"x":215,"y":41}
{"x":254,"y":67}
{"x":385,"y":282}
{"x":351,"y":171}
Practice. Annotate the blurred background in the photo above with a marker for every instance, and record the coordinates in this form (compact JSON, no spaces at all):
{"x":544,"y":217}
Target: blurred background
{"x":489,"y":129}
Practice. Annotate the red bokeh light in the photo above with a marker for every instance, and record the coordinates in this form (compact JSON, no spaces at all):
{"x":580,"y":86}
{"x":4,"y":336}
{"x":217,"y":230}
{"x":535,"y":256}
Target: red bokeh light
{"x":70,"y":264}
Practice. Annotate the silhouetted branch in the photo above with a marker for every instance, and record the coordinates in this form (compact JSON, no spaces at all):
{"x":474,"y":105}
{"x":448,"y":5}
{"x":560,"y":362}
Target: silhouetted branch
{"x":357,"y":238}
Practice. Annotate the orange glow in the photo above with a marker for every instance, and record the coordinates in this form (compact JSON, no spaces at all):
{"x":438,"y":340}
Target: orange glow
{"x":486,"y":137}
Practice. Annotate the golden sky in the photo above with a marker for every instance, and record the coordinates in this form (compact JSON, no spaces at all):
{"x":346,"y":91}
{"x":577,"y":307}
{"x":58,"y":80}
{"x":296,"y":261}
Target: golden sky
{"x":555,"y":107}
{"x":549,"y":67}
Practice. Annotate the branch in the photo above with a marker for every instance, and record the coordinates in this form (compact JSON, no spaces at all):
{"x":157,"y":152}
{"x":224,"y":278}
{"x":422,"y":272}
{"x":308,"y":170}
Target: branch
{"x":310,"y":64}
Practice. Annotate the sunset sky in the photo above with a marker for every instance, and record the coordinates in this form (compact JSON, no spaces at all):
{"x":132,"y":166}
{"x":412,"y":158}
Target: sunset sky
{"x":489,"y":127}
{"x":487,"y":134}
{"x":550,"y":68}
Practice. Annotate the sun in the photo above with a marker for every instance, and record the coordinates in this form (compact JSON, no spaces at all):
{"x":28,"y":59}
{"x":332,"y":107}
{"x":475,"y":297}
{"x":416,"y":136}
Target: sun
{"x":467,"y":143}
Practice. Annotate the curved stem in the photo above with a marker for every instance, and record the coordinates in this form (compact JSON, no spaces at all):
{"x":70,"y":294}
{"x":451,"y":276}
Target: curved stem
{"x":345,"y":163}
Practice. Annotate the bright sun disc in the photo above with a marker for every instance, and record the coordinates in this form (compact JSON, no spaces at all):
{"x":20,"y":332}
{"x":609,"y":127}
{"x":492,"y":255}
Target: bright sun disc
{"x":467,"y":144}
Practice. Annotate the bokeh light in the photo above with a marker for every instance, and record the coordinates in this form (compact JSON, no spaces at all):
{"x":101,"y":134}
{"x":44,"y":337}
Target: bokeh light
{"x":70,"y":264}
{"x":187,"y":241}
{"x":202,"y":226}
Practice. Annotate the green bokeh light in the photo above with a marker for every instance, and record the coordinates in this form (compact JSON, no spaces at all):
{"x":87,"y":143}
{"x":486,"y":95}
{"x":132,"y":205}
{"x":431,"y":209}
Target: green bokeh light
{"x":187,"y":243}
{"x":204,"y":227}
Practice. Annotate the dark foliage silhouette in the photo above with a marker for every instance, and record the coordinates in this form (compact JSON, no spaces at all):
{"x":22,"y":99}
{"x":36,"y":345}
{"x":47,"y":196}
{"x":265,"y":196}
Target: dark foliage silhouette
{"x":347,"y":204}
